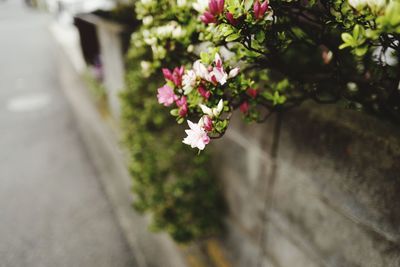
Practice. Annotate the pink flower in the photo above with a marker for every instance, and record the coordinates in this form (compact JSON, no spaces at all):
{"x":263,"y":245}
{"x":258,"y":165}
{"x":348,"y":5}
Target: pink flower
{"x":252,"y":92}
{"x":216,"y":7}
{"x":175,"y":76}
{"x":203,"y":92}
{"x":196,"y":136}
{"x":260,"y":9}
{"x":166,"y":95}
{"x":208,"y":18}
{"x":231,"y":19}
{"x":244,"y":107}
{"x":207,"y":123}
{"x":182,"y":105}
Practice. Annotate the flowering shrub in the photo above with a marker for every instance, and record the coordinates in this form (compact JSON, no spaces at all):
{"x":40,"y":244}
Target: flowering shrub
{"x":204,"y":59}
{"x":328,"y":51}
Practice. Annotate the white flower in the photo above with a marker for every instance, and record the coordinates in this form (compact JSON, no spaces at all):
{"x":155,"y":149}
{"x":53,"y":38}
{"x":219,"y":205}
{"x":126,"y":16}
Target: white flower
{"x":146,"y":66}
{"x":150,"y":40}
{"x":178,"y":32}
{"x":189,"y":81}
{"x":376,"y":5}
{"x":146,"y":2}
{"x":233,"y":73}
{"x":212,"y":112}
{"x":200,"y":70}
{"x":147,"y":20}
{"x":200,"y":6}
{"x":357,"y":4}
{"x":181,"y":3}
{"x":196,"y":136}
{"x":219,"y":75}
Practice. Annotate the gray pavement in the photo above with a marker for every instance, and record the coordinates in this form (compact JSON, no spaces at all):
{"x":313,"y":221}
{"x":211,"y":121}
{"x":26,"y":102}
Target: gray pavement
{"x":53,"y":211}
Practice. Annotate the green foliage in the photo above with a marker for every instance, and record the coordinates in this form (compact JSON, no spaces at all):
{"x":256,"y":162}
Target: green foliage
{"x":172,"y":183}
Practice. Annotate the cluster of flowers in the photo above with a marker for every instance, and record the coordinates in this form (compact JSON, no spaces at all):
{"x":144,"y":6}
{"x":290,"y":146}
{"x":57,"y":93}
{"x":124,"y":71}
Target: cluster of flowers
{"x":179,"y":90}
{"x":213,"y":10}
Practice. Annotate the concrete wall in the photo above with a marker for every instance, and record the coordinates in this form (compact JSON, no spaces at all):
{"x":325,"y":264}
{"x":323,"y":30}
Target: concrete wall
{"x":318,"y":186}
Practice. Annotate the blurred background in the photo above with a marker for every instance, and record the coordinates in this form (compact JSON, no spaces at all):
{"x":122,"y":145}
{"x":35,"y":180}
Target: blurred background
{"x":53,"y":210}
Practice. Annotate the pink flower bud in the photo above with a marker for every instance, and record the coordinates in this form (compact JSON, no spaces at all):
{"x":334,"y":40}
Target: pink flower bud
{"x":263,"y":8}
{"x":208,"y":124}
{"x":183,"y":110}
{"x":244,"y":107}
{"x":208,"y":18}
{"x":167,"y":74}
{"x":256,"y":9}
{"x":177,"y":76}
{"x":182,"y":104}
{"x":181,"y":101}
{"x":260,"y":9}
{"x":220,"y":4}
{"x":231,"y":19}
{"x":252,"y":92}
{"x":203,"y":92}
{"x":213,"y":7}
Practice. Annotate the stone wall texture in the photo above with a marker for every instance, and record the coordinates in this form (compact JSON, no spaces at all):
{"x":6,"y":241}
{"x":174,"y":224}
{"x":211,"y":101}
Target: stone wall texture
{"x":316,"y":186}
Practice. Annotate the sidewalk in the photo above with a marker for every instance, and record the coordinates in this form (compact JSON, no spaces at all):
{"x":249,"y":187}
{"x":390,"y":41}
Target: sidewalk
{"x":53,"y":210}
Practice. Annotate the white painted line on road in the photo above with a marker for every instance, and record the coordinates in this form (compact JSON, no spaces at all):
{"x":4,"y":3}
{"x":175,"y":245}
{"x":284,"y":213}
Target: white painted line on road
{"x":28,"y":102}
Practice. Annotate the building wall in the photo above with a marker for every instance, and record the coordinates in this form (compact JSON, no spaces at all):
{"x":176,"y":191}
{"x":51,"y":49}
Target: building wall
{"x":318,"y":186}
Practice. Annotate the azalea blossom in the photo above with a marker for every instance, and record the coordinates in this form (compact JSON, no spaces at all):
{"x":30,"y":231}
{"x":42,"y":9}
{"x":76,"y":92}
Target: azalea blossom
{"x":260,"y":9}
{"x":206,"y":123}
{"x":182,"y":105}
{"x":244,"y":107}
{"x":188,"y":81}
{"x":231,"y":19}
{"x":252,"y":92}
{"x":181,"y":3}
{"x":201,"y":70}
{"x":218,"y":75}
{"x":216,"y":7}
{"x":174,"y":76}
{"x":233,"y":73}
{"x":200,"y":5}
{"x":212,"y":112}
{"x":357,"y":4}
{"x":166,"y":95}
{"x":208,"y":17}
{"x":196,"y":136}
{"x":203,"y":92}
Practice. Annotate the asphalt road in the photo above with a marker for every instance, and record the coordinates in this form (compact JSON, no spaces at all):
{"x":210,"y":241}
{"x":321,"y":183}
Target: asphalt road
{"x":53,"y":211}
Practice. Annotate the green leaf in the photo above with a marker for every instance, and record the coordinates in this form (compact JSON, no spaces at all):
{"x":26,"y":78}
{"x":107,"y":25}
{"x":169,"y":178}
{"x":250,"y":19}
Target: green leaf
{"x":226,"y":32}
{"x":174,"y":112}
{"x":205,"y":58}
{"x":348,"y":39}
{"x":232,"y":37}
{"x":360,"y":51}
{"x":260,"y":36}
{"x":180,"y":120}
